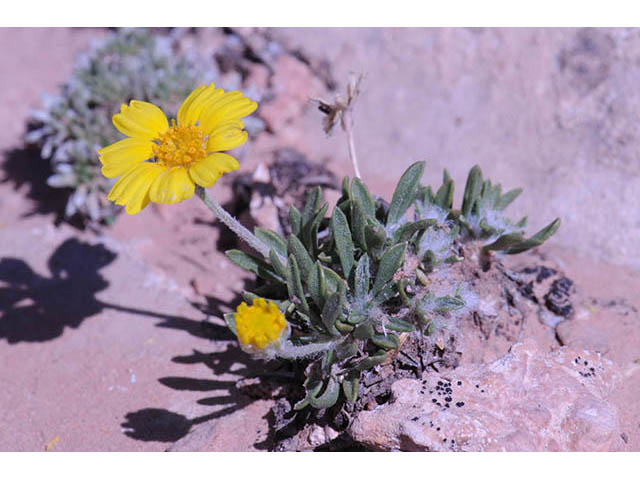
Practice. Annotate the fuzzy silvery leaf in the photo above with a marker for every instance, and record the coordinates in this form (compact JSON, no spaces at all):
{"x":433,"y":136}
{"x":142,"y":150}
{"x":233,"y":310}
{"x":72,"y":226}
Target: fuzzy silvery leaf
{"x":334,"y":281}
{"x":358,"y":224}
{"x":317,"y":284}
{"x":272,"y":240}
{"x":364,"y":331}
{"x":362,"y":278}
{"x":447,"y":303}
{"x":405,"y":193}
{"x":230,"y":320}
{"x":361,"y":195}
{"x":276,"y":263}
{"x":312,"y":205}
{"x":444,"y":197}
{"x":375,"y":237}
{"x":398,"y":325}
{"x":536,"y":240}
{"x":302,"y":256}
{"x":295,"y":220}
{"x":372,"y":361}
{"x":332,"y":311}
{"x":254,"y":264}
{"x":389,"y":264}
{"x":388,"y":342}
{"x":350,"y":385}
{"x":505,"y":200}
{"x":505,"y":241}
{"x":343,"y":240}
{"x":406,"y":231}
{"x":310,"y":230}
{"x":329,"y":397}
{"x":472,"y":190}
{"x":294,"y":284}
{"x":388,"y":291}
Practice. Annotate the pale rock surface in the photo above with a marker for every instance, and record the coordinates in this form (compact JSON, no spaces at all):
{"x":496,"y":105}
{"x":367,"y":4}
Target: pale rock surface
{"x":241,"y":431}
{"x":525,"y":401}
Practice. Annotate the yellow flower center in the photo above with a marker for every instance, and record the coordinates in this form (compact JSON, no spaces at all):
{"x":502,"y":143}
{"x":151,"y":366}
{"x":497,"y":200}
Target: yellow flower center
{"x":260,"y":324}
{"x":180,"y":146}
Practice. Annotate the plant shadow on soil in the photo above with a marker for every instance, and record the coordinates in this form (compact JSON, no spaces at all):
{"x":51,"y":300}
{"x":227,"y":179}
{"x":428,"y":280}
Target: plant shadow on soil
{"x":24,"y":167}
{"x":37,"y":308}
{"x":229,"y":396}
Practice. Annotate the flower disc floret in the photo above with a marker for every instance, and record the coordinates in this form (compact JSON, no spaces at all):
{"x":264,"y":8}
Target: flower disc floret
{"x":163,"y":163}
{"x":260,"y":325}
{"x":180,"y":146}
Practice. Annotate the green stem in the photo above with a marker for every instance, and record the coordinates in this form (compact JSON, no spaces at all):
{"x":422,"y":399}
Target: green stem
{"x":234,"y":225}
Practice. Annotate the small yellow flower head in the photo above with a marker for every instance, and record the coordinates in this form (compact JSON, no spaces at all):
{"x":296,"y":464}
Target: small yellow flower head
{"x":163,"y":163}
{"x":260,"y":326}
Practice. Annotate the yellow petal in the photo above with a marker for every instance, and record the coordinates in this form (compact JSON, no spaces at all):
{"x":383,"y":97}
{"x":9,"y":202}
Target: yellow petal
{"x":207,"y":171}
{"x":140,"y":120}
{"x":172,"y":186}
{"x":226,"y":108}
{"x":191,"y":108}
{"x":227,"y":136}
{"x":121,"y":156}
{"x":132,"y":189}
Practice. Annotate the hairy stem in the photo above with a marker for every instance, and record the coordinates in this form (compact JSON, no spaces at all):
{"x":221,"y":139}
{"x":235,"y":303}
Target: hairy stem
{"x":234,"y":225}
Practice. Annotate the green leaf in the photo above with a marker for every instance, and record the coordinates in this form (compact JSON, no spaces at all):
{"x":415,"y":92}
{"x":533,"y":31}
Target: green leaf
{"x":505,"y":241}
{"x":312,"y":205}
{"x":295,"y":219}
{"x":536,"y":240}
{"x":277,"y":265}
{"x":388,"y":342}
{"x":346,"y":350}
{"x":332,"y":312}
{"x":297,"y":249}
{"x":294,"y":284}
{"x":356,"y":317}
{"x":254,"y":264}
{"x":444,"y":196}
{"x":387,"y":292}
{"x":343,"y":327}
{"x":329,"y":397}
{"x":364,"y":331}
{"x":398,"y":325}
{"x":447,"y":304}
{"x":345,"y":187}
{"x":317,"y":284}
{"x":310,"y":231}
{"x":358,"y":224}
{"x":472,"y":190}
{"x":362,"y":278}
{"x":334,"y":281}
{"x":389,"y":263}
{"x":350,"y":384}
{"x":230,"y":320}
{"x":272,"y":240}
{"x":372,"y":361}
{"x":312,"y":387}
{"x":375,"y":237}
{"x":405,"y":232}
{"x":342,"y":238}
{"x":507,"y":198}
{"x":361,"y":195}
{"x":405,"y":193}
{"x":429,"y":261}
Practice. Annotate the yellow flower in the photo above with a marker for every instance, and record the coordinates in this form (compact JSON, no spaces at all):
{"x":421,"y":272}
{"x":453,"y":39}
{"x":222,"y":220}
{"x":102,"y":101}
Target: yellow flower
{"x":182,"y":155}
{"x":261,"y":325}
